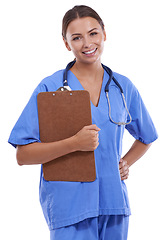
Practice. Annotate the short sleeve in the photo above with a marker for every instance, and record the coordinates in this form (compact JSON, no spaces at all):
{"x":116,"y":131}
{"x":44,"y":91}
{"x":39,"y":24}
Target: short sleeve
{"x":141,"y":127}
{"x":26,"y":129}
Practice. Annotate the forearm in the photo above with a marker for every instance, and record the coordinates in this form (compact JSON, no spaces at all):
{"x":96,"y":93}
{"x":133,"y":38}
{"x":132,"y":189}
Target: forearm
{"x":40,"y":153}
{"x":137,"y":150}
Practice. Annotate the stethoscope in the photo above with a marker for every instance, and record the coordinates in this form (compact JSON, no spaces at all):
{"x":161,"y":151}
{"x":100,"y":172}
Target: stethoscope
{"x":111,"y":77}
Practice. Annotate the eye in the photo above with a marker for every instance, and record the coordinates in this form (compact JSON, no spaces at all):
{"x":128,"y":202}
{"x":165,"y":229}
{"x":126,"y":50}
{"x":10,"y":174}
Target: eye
{"x":93,"y":33}
{"x":76,"y":38}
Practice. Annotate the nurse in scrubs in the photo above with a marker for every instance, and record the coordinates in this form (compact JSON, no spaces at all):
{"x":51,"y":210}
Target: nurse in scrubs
{"x":99,"y":209}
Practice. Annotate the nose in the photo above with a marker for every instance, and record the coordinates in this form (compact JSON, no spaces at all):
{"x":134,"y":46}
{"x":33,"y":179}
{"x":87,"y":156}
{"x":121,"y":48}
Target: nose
{"x":87,"y":42}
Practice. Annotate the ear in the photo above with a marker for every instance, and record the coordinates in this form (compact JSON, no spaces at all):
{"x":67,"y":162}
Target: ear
{"x":66,"y":44}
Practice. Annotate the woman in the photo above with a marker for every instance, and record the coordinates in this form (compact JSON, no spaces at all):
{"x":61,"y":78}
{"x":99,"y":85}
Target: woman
{"x":99,"y":209}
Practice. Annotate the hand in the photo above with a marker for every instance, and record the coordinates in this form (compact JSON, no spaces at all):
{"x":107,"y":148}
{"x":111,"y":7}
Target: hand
{"x":123,"y":169}
{"x":87,"y":139}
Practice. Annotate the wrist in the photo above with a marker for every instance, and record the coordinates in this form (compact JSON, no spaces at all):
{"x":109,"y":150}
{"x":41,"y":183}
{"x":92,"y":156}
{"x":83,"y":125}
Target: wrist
{"x":73,"y":144}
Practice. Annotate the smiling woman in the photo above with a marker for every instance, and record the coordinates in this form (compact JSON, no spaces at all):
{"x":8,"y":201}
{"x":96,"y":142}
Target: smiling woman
{"x":99,"y":209}
{"x":85,"y":38}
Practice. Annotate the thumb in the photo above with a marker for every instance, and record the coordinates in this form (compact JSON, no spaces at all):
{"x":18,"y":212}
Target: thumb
{"x":93,"y":127}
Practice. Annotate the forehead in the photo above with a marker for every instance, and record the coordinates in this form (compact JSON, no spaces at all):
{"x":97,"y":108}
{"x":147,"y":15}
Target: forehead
{"x":81,"y":25}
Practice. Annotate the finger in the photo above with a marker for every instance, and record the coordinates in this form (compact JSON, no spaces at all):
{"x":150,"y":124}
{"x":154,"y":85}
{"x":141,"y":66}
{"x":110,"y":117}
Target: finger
{"x":96,"y":139}
{"x":124,"y":168}
{"x":124,"y":178}
{"x":92,"y":127}
{"x":120,"y":166}
{"x":95,"y":133}
{"x":122,"y":162}
{"x":125,"y":175}
{"x":95,"y":145}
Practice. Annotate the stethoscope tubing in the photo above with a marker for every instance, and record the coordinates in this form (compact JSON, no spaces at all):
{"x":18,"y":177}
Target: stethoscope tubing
{"x":111,"y":77}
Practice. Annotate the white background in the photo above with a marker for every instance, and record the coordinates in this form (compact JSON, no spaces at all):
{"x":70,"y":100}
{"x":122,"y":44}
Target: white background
{"x":31,"y":48}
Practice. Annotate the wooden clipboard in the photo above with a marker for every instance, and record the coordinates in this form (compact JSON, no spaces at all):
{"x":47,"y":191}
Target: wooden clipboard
{"x":62,"y":115}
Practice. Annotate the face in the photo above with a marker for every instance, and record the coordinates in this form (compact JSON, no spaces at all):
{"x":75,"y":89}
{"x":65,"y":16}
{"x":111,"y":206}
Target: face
{"x":85,"y":38}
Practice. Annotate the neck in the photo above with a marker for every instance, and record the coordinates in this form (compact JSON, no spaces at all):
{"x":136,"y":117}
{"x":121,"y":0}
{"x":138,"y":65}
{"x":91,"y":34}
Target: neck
{"x":87,"y":71}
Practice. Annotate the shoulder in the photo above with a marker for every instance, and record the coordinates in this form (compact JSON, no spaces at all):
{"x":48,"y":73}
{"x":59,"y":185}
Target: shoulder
{"x":126,"y":84}
{"x":52,"y":82}
{"x":123,"y":80}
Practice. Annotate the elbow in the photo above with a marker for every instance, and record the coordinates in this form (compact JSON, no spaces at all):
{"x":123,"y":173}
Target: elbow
{"x":19,"y":156}
{"x":19,"y":162}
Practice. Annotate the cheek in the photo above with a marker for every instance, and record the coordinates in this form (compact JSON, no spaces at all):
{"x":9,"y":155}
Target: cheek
{"x":100,"y":41}
{"x":76,"y":46}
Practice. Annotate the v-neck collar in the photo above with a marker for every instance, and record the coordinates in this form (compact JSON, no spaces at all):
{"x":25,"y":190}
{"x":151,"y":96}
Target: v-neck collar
{"x":75,"y":84}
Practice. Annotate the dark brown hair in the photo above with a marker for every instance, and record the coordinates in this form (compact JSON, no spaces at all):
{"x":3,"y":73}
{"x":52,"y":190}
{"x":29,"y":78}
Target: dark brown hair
{"x":79,"y":11}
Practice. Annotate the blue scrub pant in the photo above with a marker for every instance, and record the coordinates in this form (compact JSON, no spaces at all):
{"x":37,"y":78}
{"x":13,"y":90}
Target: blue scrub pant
{"x":113,"y":227}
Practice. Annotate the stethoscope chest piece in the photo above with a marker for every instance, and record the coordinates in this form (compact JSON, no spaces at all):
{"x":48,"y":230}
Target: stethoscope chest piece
{"x":64,"y":88}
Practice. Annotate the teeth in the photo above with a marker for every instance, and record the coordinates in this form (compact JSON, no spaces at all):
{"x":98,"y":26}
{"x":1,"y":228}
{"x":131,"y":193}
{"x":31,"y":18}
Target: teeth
{"x":89,"y":52}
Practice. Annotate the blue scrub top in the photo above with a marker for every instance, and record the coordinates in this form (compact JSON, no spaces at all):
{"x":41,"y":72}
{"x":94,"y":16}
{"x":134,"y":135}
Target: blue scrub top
{"x":66,"y":203}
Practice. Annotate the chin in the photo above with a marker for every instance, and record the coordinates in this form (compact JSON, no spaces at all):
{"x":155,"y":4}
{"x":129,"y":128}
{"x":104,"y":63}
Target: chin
{"x":89,"y":60}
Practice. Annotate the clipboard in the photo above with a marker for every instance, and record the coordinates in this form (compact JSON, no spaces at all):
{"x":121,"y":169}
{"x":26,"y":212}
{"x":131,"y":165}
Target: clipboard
{"x":61,"y":115}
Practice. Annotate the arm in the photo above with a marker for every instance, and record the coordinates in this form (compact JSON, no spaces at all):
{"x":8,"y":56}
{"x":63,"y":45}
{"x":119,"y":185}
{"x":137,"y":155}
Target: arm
{"x":40,"y":153}
{"x":137,"y":150}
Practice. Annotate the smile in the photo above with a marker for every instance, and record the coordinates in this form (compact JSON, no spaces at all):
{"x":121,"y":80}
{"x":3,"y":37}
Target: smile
{"x":90,"y":52}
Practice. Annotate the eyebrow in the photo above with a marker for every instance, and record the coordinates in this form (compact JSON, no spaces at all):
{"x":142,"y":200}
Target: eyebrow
{"x":80,"y":33}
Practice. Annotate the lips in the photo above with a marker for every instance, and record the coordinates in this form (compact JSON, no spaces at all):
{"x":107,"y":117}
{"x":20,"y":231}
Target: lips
{"x":90,"y":52}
